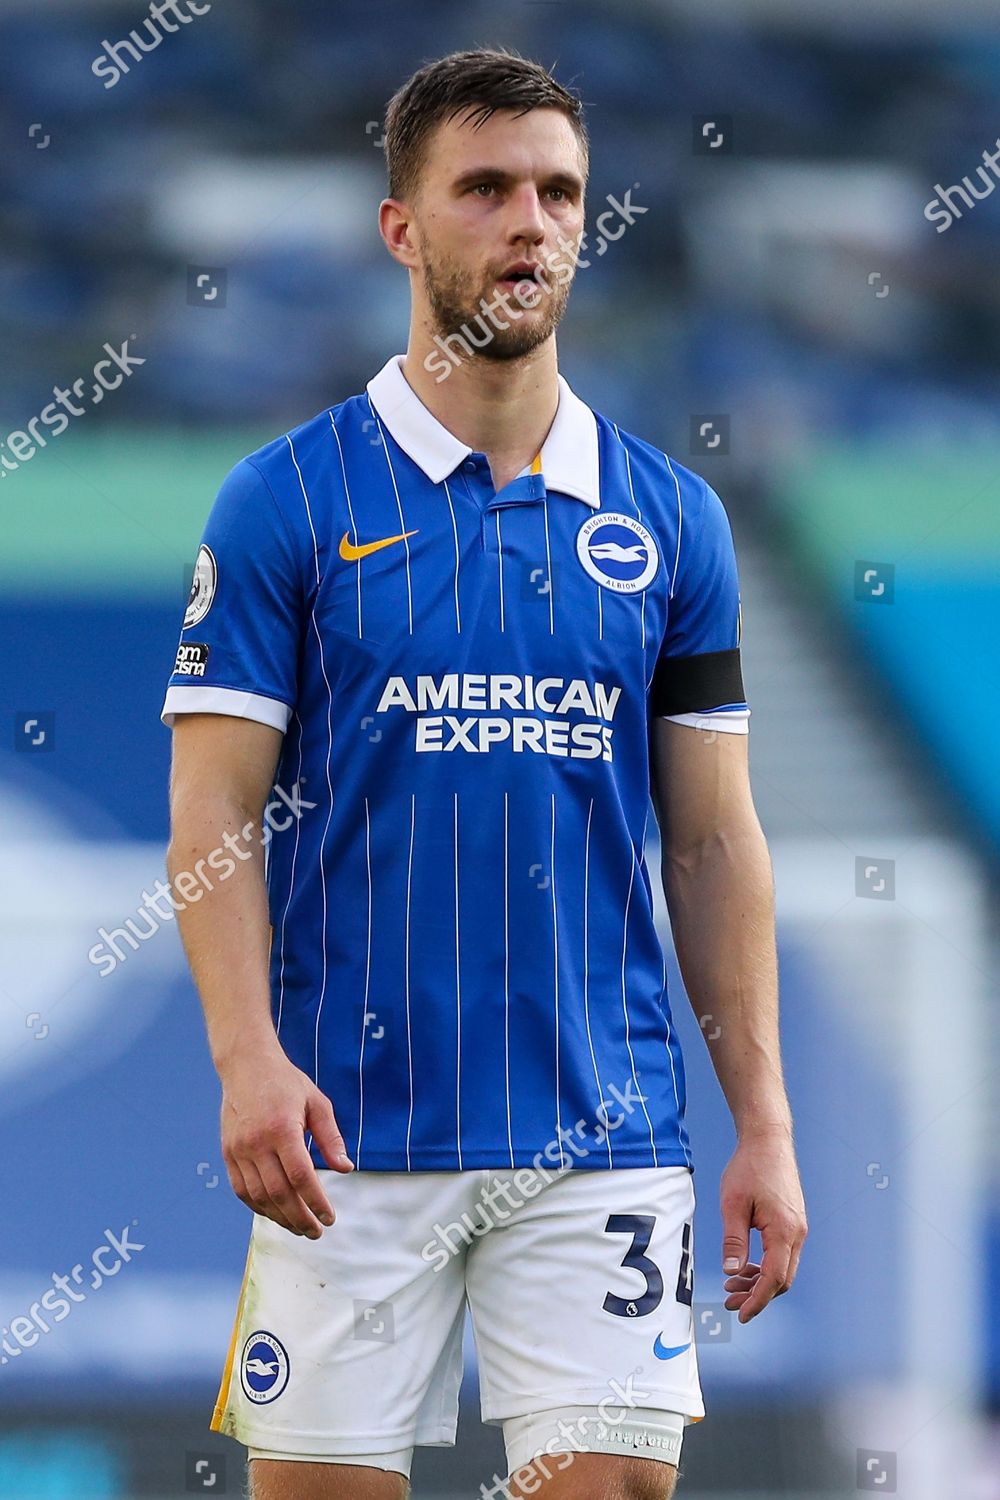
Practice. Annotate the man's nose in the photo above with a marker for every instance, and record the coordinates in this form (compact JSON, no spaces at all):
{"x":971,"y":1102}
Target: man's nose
{"x":526,"y":219}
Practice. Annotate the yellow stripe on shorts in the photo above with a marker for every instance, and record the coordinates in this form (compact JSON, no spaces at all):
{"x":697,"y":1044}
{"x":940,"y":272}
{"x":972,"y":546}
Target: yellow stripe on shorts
{"x":222,"y":1400}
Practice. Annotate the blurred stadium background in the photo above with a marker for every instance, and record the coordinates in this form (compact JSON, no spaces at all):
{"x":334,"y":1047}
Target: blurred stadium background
{"x":785,"y":318}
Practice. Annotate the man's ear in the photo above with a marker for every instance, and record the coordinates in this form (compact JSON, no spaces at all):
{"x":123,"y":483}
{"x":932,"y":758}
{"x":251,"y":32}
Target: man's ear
{"x":395,"y":222}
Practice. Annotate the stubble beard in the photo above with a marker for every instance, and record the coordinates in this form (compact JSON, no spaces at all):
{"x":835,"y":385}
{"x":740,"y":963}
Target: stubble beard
{"x":457,"y":305}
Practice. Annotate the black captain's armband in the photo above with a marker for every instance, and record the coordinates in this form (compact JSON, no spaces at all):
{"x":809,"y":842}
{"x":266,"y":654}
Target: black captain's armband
{"x":694,"y":684}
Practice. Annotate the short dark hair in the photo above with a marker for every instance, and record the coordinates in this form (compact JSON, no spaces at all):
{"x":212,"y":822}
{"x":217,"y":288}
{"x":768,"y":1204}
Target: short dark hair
{"x":476,"y":83}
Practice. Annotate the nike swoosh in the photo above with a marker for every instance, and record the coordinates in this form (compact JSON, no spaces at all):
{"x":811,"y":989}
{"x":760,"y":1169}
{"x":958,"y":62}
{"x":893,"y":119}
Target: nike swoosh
{"x":351,"y":553}
{"x":662,"y":1352}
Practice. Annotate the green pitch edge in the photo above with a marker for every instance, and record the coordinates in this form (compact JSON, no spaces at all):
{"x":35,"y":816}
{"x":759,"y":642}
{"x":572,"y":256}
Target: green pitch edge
{"x":929,"y":513}
{"x":114,"y":513}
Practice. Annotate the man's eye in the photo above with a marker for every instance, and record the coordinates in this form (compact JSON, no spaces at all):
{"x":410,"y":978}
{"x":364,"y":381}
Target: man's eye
{"x":559,"y":194}
{"x":482,"y":188}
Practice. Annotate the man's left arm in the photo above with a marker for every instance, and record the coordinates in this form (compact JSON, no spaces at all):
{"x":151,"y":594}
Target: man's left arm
{"x":719,"y":888}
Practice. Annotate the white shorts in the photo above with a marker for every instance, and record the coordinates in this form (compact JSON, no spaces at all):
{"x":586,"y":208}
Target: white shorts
{"x":579,"y":1284}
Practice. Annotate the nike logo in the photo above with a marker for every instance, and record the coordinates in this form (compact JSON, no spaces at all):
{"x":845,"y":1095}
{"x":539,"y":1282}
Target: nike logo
{"x":662,"y":1352}
{"x":351,"y":553}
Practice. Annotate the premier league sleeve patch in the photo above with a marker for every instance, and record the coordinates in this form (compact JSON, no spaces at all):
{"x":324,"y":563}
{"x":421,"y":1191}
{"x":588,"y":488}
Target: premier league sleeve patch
{"x":203,"y":584}
{"x":263,"y":1368}
{"x":618,"y":552}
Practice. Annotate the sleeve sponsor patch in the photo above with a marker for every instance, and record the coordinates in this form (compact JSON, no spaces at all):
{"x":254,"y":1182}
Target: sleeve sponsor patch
{"x":192,"y":659}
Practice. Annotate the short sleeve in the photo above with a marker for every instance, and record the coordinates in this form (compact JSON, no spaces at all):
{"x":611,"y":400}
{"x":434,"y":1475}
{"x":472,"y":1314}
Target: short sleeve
{"x":698,"y":674}
{"x":239,"y":645}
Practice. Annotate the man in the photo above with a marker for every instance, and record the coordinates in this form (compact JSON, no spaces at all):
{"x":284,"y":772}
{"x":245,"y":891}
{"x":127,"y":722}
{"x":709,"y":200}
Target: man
{"x":461,"y":625}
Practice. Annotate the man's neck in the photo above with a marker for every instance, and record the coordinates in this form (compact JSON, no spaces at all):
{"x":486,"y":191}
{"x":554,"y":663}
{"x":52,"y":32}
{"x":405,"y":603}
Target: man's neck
{"x":503,"y":408}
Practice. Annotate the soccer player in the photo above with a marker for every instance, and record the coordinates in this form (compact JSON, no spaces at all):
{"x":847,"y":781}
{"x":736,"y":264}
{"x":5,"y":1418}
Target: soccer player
{"x":444,"y":641}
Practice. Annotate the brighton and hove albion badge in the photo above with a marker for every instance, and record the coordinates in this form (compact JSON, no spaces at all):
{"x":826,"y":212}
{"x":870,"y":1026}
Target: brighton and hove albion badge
{"x":263,"y":1368}
{"x":618,"y":552}
{"x":206,"y":576}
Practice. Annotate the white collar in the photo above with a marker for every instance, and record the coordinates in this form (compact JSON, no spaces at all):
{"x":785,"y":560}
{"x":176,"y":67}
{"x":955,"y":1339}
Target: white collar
{"x":570,"y":453}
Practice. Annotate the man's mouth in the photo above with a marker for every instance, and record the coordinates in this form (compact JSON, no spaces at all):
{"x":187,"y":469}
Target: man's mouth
{"x":521,"y":274}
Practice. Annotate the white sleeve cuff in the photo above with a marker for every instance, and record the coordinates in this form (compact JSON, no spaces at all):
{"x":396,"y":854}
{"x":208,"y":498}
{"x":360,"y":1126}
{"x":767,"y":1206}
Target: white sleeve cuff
{"x":221,"y":700}
{"x":728,"y":720}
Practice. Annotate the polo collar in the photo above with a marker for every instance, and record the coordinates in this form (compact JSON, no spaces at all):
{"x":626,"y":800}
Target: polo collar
{"x":570,"y":453}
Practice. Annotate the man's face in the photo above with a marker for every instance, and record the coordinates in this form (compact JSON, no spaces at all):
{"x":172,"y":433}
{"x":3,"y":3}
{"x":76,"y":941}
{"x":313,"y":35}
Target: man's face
{"x":496,"y":224}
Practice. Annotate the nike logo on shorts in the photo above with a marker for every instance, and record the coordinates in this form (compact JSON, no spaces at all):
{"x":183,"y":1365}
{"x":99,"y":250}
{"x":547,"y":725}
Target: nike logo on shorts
{"x":662,"y":1352}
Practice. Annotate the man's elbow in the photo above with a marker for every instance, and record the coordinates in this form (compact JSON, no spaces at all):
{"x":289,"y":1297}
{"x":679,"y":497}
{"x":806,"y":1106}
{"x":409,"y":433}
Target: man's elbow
{"x":730,"y":842}
{"x":200,"y":821}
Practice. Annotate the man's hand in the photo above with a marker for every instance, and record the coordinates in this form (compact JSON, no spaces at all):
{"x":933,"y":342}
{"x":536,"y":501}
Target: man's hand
{"x":761,"y":1190}
{"x":267,"y":1108}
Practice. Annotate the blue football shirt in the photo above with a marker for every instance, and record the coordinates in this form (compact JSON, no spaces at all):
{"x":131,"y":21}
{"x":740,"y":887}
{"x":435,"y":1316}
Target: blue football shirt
{"x":464,"y":956}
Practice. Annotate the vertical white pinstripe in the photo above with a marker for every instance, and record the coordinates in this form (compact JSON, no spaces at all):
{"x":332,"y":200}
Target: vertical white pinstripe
{"x":368,"y":970}
{"x":399,"y":507}
{"x":586,"y":975}
{"x":329,"y":753}
{"x":631,"y":490}
{"x":663,"y":987}
{"x":500,"y":566}
{"x":680,"y":523}
{"x":555,"y":967}
{"x":458,"y":1008}
{"x":677,"y":550}
{"x":454,"y":527}
{"x":288,"y":897}
{"x":506,"y":972}
{"x":409,"y":1035}
{"x":628,"y":1038}
{"x":350,"y":511}
{"x":548,"y":563}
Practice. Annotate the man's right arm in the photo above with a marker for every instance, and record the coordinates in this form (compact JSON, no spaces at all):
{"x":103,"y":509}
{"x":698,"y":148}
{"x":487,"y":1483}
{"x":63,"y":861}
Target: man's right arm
{"x":222,"y":773}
